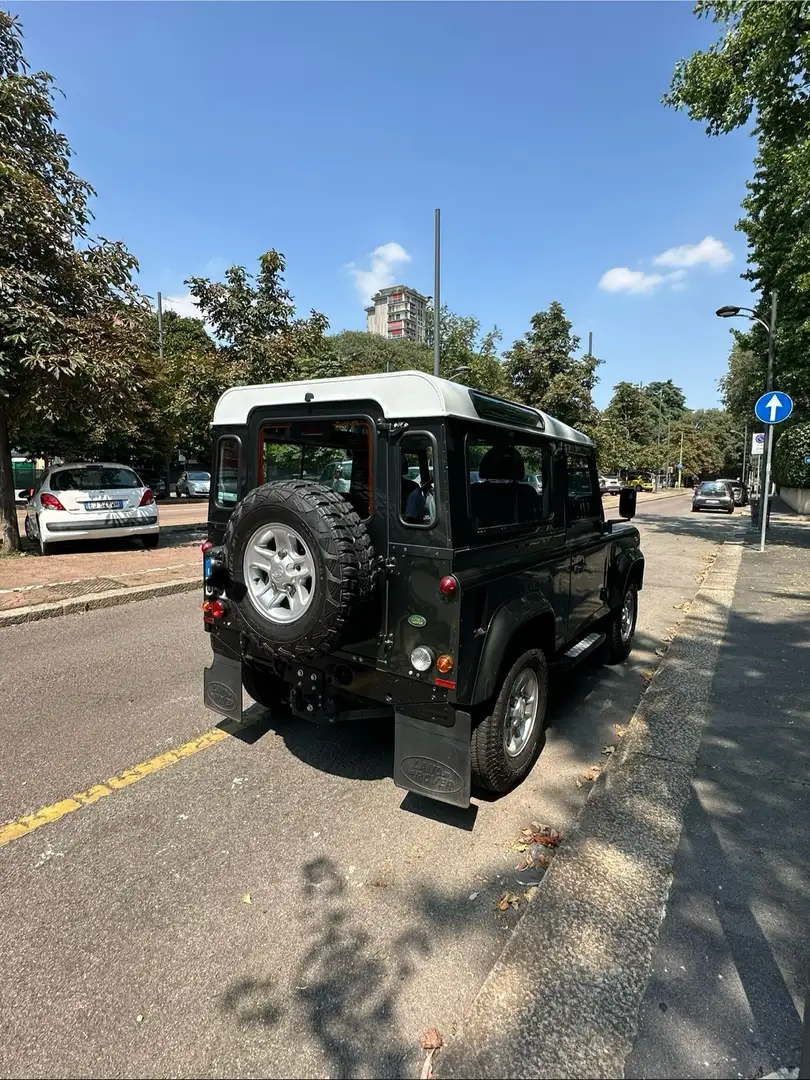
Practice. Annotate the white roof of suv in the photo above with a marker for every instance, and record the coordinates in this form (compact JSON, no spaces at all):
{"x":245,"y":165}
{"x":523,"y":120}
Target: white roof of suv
{"x":400,"y":394}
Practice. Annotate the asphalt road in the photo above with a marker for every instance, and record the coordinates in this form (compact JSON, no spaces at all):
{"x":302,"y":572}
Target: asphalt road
{"x":127,"y":947}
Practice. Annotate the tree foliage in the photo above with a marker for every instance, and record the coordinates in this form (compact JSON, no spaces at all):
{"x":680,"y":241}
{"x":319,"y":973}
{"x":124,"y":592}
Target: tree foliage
{"x":760,"y":69}
{"x":544,"y":372}
{"x":73,"y":327}
{"x":790,"y":457}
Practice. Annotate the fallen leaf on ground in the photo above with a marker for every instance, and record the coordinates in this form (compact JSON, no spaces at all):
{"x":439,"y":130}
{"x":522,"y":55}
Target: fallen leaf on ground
{"x":647,"y":675}
{"x":507,"y":900}
{"x":246,"y":898}
{"x":592,"y":773}
{"x":534,"y":858}
{"x":660,"y":652}
{"x":530,"y":893}
{"x":620,"y":731}
{"x":538,"y":834}
{"x":682,"y":607}
{"x":472,"y":896}
{"x":431,"y":1039}
{"x":608,"y":750}
{"x":578,"y":783}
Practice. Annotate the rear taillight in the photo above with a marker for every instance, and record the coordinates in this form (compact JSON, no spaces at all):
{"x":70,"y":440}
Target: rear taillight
{"x":50,"y":502}
{"x":448,"y":586}
{"x":206,"y":546}
{"x":147,"y":498}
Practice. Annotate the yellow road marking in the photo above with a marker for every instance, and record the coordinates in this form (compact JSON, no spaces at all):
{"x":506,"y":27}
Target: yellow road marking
{"x":28,"y":823}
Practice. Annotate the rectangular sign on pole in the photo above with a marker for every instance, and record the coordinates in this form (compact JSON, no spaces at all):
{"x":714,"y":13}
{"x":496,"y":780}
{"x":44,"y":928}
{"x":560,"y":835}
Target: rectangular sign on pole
{"x":758,"y":444}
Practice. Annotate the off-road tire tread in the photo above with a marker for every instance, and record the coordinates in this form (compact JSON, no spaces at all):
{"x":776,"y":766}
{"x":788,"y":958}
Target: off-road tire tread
{"x":617,"y":651}
{"x":344,"y":543}
{"x":488,"y":760}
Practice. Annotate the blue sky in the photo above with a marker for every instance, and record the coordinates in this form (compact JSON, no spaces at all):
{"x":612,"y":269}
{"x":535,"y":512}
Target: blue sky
{"x":215,"y":131}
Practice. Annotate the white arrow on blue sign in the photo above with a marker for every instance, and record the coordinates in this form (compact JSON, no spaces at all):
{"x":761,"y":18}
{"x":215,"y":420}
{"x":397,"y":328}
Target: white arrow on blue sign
{"x":773,"y":407}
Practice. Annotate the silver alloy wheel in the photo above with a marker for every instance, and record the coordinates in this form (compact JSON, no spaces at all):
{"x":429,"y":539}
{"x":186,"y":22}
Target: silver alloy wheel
{"x":627,"y":616}
{"x":279,"y":573}
{"x":521,"y":712}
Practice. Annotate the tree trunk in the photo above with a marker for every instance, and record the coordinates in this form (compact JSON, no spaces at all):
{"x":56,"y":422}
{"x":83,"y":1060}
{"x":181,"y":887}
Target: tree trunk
{"x":9,"y":533}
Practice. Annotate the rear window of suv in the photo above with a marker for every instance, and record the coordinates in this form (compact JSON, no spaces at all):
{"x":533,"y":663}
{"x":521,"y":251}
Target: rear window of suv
{"x":336,"y":453}
{"x":93,"y":478}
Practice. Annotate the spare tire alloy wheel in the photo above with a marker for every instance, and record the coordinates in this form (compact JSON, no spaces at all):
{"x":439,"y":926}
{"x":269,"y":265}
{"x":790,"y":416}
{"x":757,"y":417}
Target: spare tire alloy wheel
{"x":279,"y":573}
{"x":300,"y":561}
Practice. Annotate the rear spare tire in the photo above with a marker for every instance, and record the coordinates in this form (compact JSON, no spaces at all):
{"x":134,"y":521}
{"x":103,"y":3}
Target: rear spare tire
{"x":300,"y":563}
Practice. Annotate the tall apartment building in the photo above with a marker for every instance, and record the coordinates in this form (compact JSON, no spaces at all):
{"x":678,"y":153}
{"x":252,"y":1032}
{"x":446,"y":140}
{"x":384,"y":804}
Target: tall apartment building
{"x":397,"y":312}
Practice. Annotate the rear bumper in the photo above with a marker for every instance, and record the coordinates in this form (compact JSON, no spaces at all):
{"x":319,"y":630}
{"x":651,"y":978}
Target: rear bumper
{"x":99,"y":528}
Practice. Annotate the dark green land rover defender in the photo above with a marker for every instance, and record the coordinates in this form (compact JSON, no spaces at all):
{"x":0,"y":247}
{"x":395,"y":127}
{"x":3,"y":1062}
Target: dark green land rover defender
{"x":402,"y":547}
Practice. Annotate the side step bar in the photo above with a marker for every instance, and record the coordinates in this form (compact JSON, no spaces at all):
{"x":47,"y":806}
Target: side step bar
{"x":582,"y":648}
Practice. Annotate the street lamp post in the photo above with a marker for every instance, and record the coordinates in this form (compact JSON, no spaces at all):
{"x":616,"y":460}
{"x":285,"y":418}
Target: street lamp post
{"x":731,"y":311}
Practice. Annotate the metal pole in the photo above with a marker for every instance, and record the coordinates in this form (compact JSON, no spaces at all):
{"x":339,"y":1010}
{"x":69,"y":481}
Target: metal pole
{"x":680,"y":465}
{"x":160,"y":324}
{"x":160,"y":350}
{"x":764,"y":494}
{"x":769,"y":375}
{"x":745,"y":450}
{"x":436,"y":286}
{"x":590,"y":343}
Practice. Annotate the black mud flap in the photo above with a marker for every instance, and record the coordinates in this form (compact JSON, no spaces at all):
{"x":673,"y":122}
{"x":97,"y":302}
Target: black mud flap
{"x":222,"y":687}
{"x":433,"y":760}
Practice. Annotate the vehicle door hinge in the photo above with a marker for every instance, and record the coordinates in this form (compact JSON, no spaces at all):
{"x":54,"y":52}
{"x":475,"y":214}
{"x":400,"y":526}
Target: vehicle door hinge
{"x":391,"y":427}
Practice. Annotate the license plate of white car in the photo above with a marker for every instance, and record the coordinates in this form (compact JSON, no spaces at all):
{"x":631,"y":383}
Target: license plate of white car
{"x":105,"y":504}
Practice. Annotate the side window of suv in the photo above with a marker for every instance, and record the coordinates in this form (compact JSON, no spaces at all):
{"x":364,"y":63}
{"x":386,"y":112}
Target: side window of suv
{"x":583,"y":500}
{"x":509,"y":483}
{"x":227,"y":488}
{"x":417,"y":487}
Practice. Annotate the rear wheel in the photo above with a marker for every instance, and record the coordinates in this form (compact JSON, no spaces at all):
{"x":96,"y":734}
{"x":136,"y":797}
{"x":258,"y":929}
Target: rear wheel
{"x":622,"y":627}
{"x":506,"y":744}
{"x":731,"y":511}
{"x":151,"y":541}
{"x":265,"y":688}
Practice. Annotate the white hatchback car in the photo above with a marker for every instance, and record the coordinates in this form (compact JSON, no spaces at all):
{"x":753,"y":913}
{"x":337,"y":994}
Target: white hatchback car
{"x":90,"y":501}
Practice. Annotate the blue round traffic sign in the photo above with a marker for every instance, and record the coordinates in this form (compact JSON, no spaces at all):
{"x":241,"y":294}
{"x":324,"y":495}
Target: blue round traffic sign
{"x":773,"y":407}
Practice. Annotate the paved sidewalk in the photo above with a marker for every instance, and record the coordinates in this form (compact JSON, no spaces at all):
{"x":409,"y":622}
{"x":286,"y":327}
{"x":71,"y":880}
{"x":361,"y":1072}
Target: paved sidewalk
{"x":30,"y":584}
{"x":729,"y":973}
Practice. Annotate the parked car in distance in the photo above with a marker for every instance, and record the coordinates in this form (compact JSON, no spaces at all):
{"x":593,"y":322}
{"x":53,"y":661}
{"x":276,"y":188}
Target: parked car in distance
{"x":610,"y":485}
{"x":337,"y":476}
{"x":713,"y":495}
{"x":156,"y":481}
{"x":194,"y":484}
{"x":738,"y":490}
{"x":90,"y":501}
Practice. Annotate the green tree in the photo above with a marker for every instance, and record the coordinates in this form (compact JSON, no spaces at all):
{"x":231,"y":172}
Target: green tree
{"x":744,"y":379}
{"x":467,"y":356}
{"x":257,"y":322}
{"x":544,"y":372}
{"x":760,"y":68}
{"x":71,"y":320}
{"x":668,"y":400}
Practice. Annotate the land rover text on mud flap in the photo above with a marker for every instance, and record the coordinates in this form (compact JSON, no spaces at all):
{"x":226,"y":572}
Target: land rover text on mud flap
{"x":399,"y":546}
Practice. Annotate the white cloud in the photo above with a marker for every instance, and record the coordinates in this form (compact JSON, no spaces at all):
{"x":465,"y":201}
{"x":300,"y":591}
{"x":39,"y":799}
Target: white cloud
{"x":709,"y":252}
{"x":623,"y":279}
{"x":184,"y":305}
{"x":383,"y":261}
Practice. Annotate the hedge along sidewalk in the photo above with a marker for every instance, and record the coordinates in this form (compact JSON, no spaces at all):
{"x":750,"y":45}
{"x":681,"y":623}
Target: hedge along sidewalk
{"x":563,"y":999}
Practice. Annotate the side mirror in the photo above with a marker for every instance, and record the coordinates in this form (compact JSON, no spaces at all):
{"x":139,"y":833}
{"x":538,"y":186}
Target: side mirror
{"x":627,"y":503}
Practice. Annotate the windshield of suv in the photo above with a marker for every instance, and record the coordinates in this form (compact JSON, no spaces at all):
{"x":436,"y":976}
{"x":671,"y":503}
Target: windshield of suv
{"x":93,"y":477}
{"x":713,"y":487}
{"x":335,"y":453}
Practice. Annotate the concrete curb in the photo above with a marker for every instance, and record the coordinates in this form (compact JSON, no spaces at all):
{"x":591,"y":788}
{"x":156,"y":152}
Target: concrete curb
{"x":563,"y":999}
{"x":80,"y":604}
